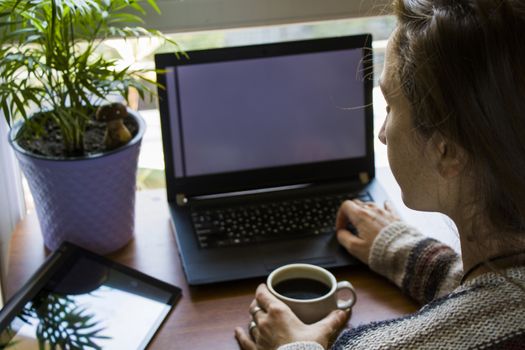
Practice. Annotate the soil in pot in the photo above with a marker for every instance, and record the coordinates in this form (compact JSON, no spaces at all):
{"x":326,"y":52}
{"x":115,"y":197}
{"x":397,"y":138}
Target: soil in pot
{"x":50,"y":142}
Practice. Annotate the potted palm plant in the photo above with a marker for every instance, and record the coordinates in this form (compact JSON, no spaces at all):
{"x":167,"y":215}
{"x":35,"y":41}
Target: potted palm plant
{"x":76,"y":141}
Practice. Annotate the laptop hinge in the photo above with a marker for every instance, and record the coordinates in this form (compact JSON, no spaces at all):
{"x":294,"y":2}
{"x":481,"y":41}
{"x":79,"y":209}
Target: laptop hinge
{"x":181,"y":199}
{"x":364,"y":177}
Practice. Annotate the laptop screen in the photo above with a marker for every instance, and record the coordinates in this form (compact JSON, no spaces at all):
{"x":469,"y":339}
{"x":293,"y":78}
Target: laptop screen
{"x":266,"y":112}
{"x":267,"y":115}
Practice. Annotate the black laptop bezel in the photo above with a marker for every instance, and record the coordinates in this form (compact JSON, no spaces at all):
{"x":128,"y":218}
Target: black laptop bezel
{"x":324,"y":172}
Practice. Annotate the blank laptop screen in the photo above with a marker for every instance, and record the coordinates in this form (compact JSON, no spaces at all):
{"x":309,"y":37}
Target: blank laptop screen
{"x":267,"y":112}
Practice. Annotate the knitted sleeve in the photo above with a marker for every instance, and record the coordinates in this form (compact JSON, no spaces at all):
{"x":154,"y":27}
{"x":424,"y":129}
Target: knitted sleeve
{"x":422,"y":267}
{"x":301,"y":345}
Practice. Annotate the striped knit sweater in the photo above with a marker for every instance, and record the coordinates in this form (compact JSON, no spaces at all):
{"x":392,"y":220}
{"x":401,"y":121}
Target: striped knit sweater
{"x":487,"y":312}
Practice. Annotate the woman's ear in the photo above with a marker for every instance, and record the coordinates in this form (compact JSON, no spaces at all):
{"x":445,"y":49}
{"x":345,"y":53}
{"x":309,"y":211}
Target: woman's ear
{"x":450,"y":158}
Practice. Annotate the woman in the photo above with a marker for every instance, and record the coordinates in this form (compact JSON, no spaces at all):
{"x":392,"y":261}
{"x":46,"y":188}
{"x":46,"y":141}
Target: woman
{"x":454,"y":82}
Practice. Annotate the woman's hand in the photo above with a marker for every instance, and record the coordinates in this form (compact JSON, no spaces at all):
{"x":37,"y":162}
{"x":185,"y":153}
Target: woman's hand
{"x":277,"y":325}
{"x":368,"y":219}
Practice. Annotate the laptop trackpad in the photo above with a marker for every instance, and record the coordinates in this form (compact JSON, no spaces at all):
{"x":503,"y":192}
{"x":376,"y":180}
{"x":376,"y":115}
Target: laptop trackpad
{"x":311,"y":251}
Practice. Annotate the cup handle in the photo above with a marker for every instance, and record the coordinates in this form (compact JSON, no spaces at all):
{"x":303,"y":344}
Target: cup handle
{"x":346,"y":304}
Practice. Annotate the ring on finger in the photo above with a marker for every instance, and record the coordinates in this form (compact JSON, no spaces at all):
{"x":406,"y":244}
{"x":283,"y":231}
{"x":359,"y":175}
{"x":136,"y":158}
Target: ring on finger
{"x":251,"y":326}
{"x":255,"y":310}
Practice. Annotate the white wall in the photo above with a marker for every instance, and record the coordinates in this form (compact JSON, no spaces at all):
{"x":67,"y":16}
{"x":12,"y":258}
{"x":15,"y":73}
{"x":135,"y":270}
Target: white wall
{"x":193,"y":15}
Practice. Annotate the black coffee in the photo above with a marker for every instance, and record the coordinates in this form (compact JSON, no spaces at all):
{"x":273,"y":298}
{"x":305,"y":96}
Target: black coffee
{"x":301,"y":288}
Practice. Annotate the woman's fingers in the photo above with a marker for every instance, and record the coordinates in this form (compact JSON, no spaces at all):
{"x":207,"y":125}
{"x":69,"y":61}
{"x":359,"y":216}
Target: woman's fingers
{"x":257,"y":312}
{"x":244,"y":340}
{"x":353,"y":244}
{"x":332,"y":323}
{"x":348,"y":240}
{"x":265,"y":299}
{"x":389,"y":207}
{"x":348,"y":212}
{"x":368,"y":219}
{"x":356,"y":213}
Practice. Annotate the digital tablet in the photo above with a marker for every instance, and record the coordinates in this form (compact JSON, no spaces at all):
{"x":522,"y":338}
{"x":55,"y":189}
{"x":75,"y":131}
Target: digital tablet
{"x":80,"y":300}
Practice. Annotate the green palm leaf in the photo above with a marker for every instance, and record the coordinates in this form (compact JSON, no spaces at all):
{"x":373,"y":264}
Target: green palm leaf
{"x":49,"y":58}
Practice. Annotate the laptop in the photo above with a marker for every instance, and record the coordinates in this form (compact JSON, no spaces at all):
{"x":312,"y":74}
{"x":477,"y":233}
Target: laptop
{"x":261,"y":145}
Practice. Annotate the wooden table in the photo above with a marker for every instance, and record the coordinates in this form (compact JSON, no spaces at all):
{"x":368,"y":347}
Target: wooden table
{"x":205,"y":316}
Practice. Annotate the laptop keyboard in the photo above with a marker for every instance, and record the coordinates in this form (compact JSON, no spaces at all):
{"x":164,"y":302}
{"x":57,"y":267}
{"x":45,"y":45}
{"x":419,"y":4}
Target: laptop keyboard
{"x":262,"y":222}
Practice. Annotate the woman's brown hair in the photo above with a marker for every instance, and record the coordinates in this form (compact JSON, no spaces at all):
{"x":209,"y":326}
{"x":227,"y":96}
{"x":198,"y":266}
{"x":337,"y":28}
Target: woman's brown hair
{"x":462,"y":66}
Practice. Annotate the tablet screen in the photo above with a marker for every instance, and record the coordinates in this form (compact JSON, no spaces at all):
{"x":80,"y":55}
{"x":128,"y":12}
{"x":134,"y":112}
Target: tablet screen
{"x":89,"y":302}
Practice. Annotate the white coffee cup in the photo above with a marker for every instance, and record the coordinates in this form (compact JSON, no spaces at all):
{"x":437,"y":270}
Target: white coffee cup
{"x":301,"y":291}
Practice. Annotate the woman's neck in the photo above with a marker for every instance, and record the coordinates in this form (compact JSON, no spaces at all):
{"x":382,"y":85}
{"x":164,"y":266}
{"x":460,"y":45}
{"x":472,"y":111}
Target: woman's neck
{"x":484,"y":250}
{"x":493,"y":264}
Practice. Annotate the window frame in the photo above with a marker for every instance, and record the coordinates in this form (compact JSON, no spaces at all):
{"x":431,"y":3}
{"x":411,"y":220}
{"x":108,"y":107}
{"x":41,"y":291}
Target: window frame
{"x":12,"y":207}
{"x":195,"y":15}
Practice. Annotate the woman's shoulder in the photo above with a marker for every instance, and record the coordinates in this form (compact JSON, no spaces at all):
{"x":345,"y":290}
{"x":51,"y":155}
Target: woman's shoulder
{"x":510,"y":277}
{"x":502,"y":290}
{"x":487,"y":311}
